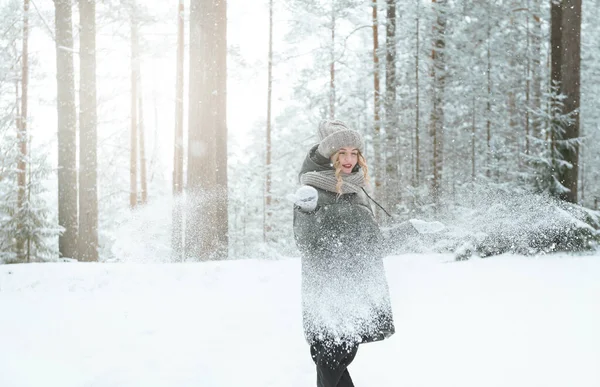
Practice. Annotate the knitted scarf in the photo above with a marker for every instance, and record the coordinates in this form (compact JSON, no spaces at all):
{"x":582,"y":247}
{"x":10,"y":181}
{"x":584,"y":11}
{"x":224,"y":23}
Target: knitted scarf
{"x":326,"y":180}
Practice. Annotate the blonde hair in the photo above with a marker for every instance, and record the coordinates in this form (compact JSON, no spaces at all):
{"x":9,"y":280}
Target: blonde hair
{"x":362,"y":163}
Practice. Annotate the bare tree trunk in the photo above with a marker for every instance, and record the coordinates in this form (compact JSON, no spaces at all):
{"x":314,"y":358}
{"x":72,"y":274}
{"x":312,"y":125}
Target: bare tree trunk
{"x":488,"y":169}
{"x":67,"y":139}
{"x":513,"y":134}
{"x":17,"y":107}
{"x":417,"y":102}
{"x":582,"y":175}
{"x":133,"y":194}
{"x":88,"y":164}
{"x":332,"y":68}
{"x":555,"y":41}
{"x":437,"y":113}
{"x":202,"y":180}
{"x":17,"y":110}
{"x":142,"y":138}
{"x":473,"y":130}
{"x":376,"y":101}
{"x":177,"y":231}
{"x":154,"y":158}
{"x":392,"y":181}
{"x":528,"y":80}
{"x":28,"y":250}
{"x":22,"y":133}
{"x":555,"y":63}
{"x":267,"y":209}
{"x":536,"y":54}
{"x":206,"y":221}
{"x":570,"y":87}
{"x":221,"y":128}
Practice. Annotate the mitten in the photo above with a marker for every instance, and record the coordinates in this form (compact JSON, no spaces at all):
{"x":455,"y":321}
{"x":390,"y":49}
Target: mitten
{"x":306,"y":198}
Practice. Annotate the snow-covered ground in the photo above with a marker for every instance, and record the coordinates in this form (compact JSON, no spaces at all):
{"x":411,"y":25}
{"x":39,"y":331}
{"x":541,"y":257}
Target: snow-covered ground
{"x":502,"y":321}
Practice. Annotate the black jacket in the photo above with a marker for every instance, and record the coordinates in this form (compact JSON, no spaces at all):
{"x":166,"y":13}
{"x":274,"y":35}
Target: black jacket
{"x":345,"y":294}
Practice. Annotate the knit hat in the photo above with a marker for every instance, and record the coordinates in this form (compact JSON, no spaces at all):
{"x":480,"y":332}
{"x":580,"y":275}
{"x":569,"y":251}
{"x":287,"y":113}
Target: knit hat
{"x":334,"y":135}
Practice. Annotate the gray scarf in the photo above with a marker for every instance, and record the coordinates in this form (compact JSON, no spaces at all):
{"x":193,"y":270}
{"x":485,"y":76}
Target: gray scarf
{"x":326,"y":180}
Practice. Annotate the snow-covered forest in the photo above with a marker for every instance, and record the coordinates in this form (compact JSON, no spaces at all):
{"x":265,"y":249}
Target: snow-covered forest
{"x":455,"y":100}
{"x":148,"y":151}
{"x":471,"y":119}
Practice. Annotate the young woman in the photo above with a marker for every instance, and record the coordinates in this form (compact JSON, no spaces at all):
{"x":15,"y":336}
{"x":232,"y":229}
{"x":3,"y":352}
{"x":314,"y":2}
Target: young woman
{"x":345,"y":297}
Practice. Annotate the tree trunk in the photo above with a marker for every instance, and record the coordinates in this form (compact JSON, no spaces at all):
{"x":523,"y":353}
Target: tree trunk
{"x":22,"y":133}
{"x":376,"y":101}
{"x":514,"y":136}
{"x":392,"y":181}
{"x":29,"y":177}
{"x":527,"y":79}
{"x":206,"y":222}
{"x":202,"y":179}
{"x":582,"y":174}
{"x":67,"y":139}
{"x":142,"y":138}
{"x":417,"y":167}
{"x":570,"y":87}
{"x":177,"y":232}
{"x":332,"y":68}
{"x":133,"y":194}
{"x":88,"y":165}
{"x":488,"y":124}
{"x":473,"y":132}
{"x":437,"y":113}
{"x":555,"y":41}
{"x":267,"y":210}
{"x":221,"y":127}
{"x":536,"y":72}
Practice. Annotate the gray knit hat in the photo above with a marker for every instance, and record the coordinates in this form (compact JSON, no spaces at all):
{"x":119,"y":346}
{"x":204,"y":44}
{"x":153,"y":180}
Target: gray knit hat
{"x":334,"y":135}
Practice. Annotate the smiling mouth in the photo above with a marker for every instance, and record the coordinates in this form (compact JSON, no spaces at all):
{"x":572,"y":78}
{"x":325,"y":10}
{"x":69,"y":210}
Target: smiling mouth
{"x":347,"y":166}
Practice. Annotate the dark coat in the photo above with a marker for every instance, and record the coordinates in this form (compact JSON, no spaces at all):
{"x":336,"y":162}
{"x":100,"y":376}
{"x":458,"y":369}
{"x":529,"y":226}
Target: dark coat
{"x":345,"y":294}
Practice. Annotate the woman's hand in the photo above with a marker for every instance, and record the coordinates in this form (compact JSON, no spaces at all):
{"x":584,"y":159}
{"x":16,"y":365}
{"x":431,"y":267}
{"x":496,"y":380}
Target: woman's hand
{"x":306,"y":198}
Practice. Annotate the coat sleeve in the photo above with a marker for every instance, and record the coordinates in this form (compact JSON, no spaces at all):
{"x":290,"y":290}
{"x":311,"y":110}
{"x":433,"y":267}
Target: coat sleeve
{"x":305,"y":233}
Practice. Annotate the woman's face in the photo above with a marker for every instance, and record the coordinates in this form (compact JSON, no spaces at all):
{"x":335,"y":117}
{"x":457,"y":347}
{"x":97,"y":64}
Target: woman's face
{"x":348,"y":158}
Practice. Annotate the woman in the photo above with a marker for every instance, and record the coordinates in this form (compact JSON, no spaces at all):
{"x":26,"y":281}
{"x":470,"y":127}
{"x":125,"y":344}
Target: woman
{"x":345,"y":297}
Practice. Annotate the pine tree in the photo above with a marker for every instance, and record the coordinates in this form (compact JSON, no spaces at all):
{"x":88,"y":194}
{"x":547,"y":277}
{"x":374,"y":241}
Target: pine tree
{"x":30,"y":222}
{"x":25,"y":219}
{"x":549,"y":165}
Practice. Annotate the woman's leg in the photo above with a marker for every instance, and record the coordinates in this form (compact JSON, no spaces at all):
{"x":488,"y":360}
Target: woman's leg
{"x":345,"y":380}
{"x":332,"y":361}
